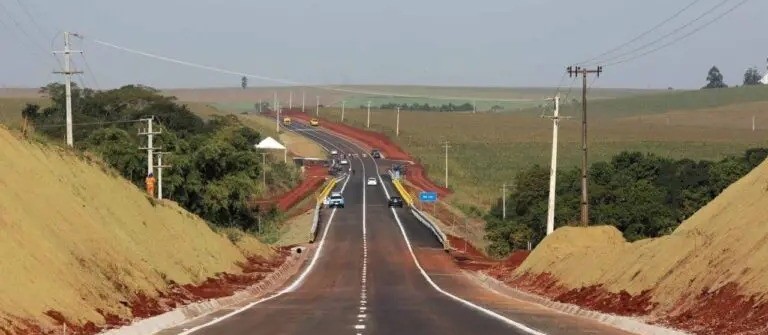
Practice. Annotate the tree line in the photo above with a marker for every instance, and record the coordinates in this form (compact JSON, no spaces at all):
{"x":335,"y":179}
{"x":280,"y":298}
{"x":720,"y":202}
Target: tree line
{"x":449,"y":107}
{"x":216,"y":172}
{"x":642,"y":195}
{"x":715,"y":78}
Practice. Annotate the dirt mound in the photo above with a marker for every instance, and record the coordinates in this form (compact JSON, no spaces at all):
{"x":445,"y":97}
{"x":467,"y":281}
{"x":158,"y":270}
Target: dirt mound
{"x":83,"y":245}
{"x":715,"y":263}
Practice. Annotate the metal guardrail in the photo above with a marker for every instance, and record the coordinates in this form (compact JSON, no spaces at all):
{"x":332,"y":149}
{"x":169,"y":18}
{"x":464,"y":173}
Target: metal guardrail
{"x":326,"y":190}
{"x":403,"y":192}
{"x":433,"y":227}
{"x":317,"y":216}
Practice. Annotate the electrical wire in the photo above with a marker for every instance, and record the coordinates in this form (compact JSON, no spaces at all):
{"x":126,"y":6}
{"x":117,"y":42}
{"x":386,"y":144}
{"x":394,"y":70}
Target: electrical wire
{"x":674,"y":31}
{"x":87,"y":123}
{"x":32,"y":18}
{"x":682,"y":37}
{"x":29,"y":39}
{"x":291,"y":82}
{"x":641,"y":35}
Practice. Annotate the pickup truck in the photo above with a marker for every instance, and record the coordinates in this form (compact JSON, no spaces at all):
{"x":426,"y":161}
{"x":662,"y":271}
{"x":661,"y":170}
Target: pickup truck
{"x":335,"y":200}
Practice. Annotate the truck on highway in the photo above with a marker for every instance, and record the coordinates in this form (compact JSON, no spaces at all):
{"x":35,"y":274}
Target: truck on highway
{"x":286,"y":121}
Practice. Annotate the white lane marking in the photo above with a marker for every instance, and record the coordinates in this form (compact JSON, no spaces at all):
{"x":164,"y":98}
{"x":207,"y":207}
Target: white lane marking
{"x":296,"y":284}
{"x":432,"y":283}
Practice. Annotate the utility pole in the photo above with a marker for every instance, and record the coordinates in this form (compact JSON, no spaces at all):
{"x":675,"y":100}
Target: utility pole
{"x":260,"y":104}
{"x":303,"y":99}
{"x":504,"y":201}
{"x":264,"y":170}
{"x":150,"y":143}
{"x":290,"y":100}
{"x":368,"y":123}
{"x":68,"y":72}
{"x":576,"y":70}
{"x":474,"y":106}
{"x":553,"y":166}
{"x":277,"y":117}
{"x":446,"y":146}
{"x":160,"y":168}
{"x":753,"y":123}
{"x":317,"y":105}
{"x":343,"y":105}
{"x":274,"y":101}
{"x":397,"y":123}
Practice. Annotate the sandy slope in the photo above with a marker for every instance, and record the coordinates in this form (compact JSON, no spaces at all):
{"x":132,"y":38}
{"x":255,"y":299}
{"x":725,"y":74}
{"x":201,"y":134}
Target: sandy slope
{"x":723,"y":243}
{"x":76,"y":238}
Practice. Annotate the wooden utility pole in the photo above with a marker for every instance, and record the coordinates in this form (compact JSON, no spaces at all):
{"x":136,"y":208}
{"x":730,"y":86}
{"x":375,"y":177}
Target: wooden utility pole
{"x":576,"y":71}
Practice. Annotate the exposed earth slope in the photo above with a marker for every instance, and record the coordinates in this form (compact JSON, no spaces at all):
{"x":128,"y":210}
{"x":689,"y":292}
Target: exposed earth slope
{"x":708,"y":276}
{"x":80,"y":243}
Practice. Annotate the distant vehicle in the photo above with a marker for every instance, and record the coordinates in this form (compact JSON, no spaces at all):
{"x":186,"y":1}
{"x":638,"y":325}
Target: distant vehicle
{"x":314,"y":122}
{"x":372,"y":181}
{"x":375,"y":153}
{"x":336,"y":200}
{"x":395,"y":201}
{"x":287,"y":121}
{"x":344,"y":161}
{"x":334,"y":152}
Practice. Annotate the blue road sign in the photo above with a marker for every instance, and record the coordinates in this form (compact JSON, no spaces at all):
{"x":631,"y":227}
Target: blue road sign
{"x":428,"y":196}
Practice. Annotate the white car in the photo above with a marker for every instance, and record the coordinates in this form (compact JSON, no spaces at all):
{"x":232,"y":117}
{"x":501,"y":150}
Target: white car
{"x":372,"y":181}
{"x":344,"y":162}
{"x":334,"y":152}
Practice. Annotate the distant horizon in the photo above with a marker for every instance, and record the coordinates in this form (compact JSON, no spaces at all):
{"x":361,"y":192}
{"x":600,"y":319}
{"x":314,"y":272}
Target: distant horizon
{"x":356,"y":85}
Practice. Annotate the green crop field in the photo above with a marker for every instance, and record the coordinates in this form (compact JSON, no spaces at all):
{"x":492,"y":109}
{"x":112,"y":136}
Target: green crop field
{"x":488,"y":149}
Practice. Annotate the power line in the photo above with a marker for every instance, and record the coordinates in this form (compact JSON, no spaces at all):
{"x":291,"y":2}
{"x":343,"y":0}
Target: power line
{"x":290,"y":82}
{"x":643,"y":34}
{"x":674,"y":31}
{"x":88,"y":123}
{"x":680,"y":38}
{"x":29,"y":39}
{"x":32,"y":18}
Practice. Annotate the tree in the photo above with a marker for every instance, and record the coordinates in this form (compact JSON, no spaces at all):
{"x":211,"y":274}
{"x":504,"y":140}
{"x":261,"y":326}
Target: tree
{"x":715,"y":79}
{"x":752,"y":77}
{"x":244,"y":82}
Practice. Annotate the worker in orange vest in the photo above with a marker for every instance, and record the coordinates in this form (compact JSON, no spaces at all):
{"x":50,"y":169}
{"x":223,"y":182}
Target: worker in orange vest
{"x":150,"y":183}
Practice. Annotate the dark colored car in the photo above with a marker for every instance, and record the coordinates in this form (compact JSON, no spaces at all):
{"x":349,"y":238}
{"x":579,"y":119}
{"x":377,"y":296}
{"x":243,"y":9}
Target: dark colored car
{"x":375,"y":153}
{"x":395,"y":201}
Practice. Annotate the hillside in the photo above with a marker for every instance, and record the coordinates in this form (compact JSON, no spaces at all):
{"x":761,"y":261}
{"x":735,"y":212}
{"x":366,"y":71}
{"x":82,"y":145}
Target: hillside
{"x":708,"y":276}
{"x":80,"y":241}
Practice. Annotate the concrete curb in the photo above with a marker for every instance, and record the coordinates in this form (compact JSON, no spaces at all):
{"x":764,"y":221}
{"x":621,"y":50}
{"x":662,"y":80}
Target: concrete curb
{"x":629,"y":324}
{"x":197,"y":310}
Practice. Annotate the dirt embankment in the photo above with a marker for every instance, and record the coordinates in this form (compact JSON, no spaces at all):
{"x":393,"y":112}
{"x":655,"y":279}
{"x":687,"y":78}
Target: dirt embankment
{"x":707,"y":277}
{"x":313,"y":178}
{"x":84,"y":247}
{"x":370,"y":139}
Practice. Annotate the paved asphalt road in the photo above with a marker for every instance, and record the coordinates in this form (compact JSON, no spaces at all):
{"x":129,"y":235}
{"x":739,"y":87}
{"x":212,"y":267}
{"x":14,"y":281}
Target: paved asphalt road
{"x":366,"y":281}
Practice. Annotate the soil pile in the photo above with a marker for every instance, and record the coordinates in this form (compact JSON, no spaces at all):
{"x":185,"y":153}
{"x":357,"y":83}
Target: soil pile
{"x":708,"y":276}
{"x":81,"y":244}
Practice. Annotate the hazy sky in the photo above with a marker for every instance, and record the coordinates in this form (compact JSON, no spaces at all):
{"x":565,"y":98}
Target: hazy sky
{"x":432,"y":42}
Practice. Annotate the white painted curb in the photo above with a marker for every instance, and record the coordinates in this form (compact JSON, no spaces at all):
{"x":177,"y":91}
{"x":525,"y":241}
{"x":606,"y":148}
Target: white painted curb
{"x":629,"y":324}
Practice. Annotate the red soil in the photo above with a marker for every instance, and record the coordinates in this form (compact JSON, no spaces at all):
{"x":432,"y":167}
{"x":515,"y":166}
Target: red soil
{"x":314,"y":176}
{"x":416,"y":174}
{"x":144,"y":306}
{"x":723,"y":311}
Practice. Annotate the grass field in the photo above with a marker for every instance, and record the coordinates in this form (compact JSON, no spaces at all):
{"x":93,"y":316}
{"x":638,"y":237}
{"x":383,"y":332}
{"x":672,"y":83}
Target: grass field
{"x":488,"y":149}
{"x":511,"y":99}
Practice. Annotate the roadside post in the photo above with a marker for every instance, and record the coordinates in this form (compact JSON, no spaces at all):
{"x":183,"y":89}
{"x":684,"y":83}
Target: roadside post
{"x":429,"y":197}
